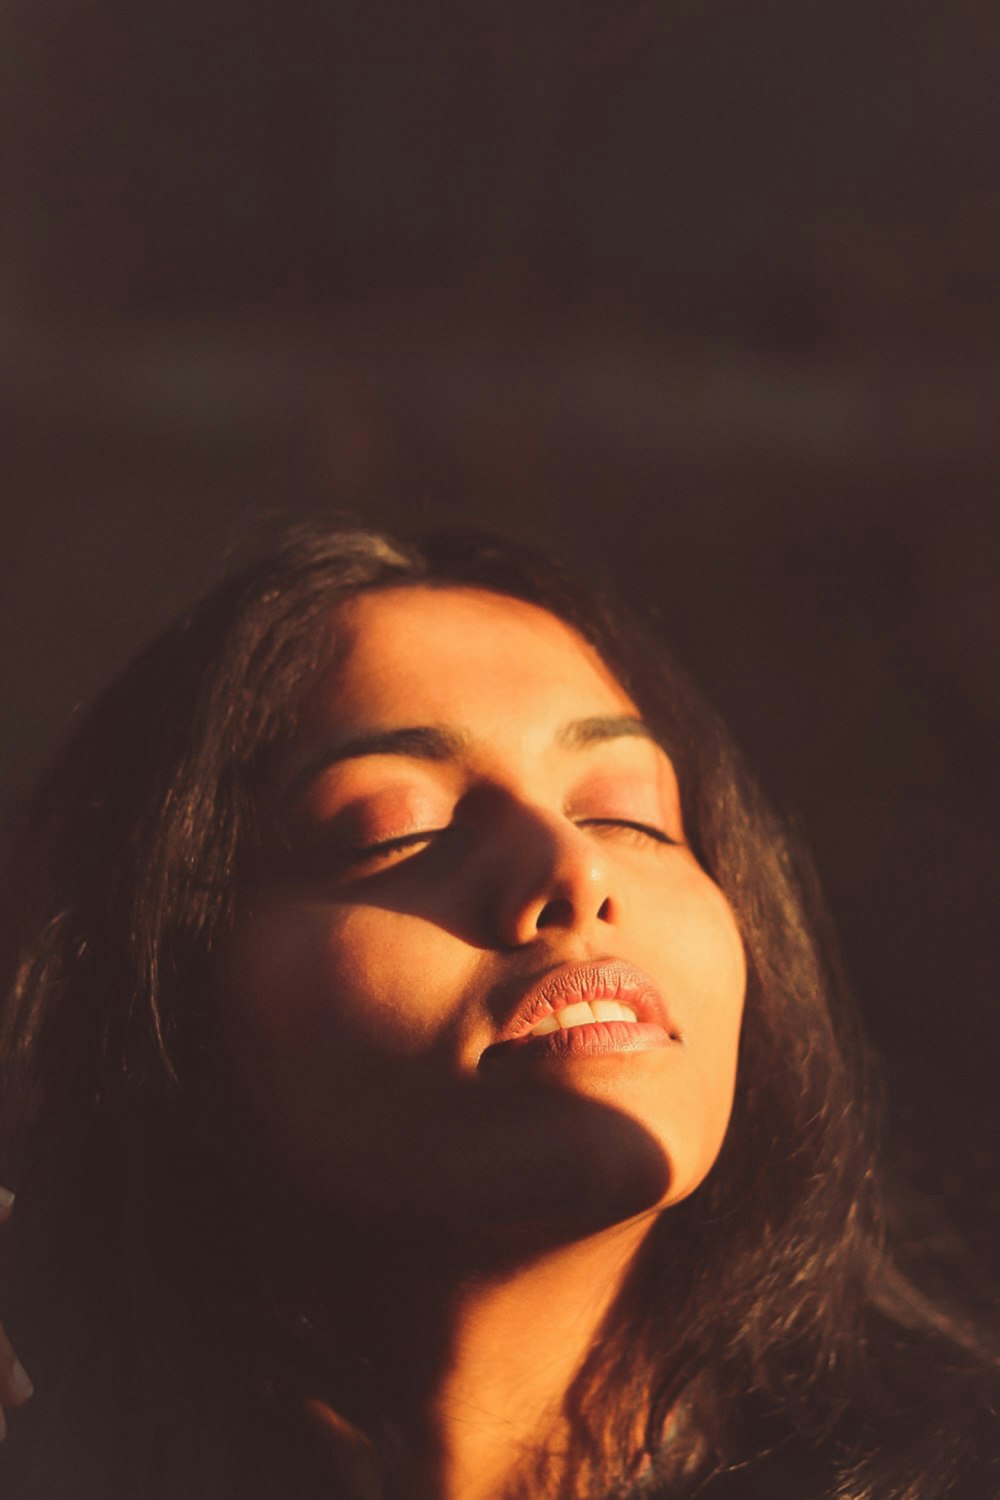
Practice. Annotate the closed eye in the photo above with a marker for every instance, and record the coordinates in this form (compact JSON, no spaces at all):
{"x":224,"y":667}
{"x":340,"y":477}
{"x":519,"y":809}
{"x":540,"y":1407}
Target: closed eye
{"x":629,"y":825}
{"x":385,"y":847}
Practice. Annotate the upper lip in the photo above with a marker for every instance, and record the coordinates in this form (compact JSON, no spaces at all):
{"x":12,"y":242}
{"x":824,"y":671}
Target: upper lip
{"x":595,"y":979}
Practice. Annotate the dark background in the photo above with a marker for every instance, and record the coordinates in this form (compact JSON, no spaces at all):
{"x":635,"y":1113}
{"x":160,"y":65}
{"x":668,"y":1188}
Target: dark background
{"x":706,"y":291}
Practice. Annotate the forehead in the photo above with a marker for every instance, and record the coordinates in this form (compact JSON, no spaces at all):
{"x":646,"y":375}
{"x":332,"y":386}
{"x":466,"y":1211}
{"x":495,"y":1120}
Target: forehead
{"x":443,"y":653}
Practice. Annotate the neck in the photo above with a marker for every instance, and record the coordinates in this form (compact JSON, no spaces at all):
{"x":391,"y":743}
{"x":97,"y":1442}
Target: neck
{"x":473,"y":1349}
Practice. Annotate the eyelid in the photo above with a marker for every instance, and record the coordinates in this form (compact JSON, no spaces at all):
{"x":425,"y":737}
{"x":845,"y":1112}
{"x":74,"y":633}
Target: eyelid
{"x":367,"y":823}
{"x":650,"y":829}
{"x":360,"y":852}
{"x":419,"y":835}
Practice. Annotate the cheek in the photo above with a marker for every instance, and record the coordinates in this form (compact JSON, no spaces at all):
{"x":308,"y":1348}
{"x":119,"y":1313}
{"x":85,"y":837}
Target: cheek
{"x":703,"y":971}
{"x":704,"y":951}
{"x":705,"y":975}
{"x":385,"y":975}
{"x":321,"y":977}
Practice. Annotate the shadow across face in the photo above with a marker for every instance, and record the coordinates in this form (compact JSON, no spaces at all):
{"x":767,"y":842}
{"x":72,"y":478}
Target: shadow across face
{"x":477,"y":802}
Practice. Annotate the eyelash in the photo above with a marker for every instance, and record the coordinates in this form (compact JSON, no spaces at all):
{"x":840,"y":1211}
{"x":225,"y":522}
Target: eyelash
{"x":647,"y":830}
{"x":406,"y":840}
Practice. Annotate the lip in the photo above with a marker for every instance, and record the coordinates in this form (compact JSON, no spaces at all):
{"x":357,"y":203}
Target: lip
{"x":598,"y":979}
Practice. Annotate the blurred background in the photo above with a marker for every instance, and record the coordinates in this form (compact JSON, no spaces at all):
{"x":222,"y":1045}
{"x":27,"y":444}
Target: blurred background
{"x":707,"y":292}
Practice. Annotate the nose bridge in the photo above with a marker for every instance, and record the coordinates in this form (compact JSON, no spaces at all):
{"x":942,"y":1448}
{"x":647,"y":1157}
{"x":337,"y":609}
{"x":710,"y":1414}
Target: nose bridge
{"x":553,"y":875}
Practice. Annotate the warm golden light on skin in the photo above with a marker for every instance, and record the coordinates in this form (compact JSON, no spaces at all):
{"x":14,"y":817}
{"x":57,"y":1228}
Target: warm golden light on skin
{"x":471,"y":801}
{"x":361,"y":979}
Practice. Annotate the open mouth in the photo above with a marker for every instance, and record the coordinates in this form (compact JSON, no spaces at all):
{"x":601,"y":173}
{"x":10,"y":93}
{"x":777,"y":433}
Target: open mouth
{"x":590,"y":1038}
{"x":586,"y":1009}
{"x":584,"y":1013}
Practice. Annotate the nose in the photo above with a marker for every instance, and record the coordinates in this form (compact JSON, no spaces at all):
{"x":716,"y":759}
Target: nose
{"x":552,"y":875}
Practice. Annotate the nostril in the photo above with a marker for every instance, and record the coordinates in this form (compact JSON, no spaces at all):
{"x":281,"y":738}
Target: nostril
{"x":556,"y":913}
{"x":561,"y":912}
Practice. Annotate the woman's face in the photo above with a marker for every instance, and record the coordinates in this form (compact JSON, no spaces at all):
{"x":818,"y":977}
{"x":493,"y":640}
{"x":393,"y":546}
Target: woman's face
{"x":474,"y":812}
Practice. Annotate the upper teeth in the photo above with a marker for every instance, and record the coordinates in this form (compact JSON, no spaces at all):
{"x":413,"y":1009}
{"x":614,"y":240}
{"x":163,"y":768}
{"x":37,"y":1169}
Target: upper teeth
{"x":583,"y":1013}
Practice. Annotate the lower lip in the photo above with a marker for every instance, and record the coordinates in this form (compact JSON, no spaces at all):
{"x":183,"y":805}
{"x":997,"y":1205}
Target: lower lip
{"x":598,"y":1039}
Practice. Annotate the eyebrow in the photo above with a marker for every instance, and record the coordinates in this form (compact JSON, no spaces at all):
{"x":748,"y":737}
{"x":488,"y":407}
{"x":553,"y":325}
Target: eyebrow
{"x":433,"y":742}
{"x":580,"y":734}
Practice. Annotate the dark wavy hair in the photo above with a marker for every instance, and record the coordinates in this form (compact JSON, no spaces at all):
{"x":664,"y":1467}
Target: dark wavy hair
{"x":766,"y":1329}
